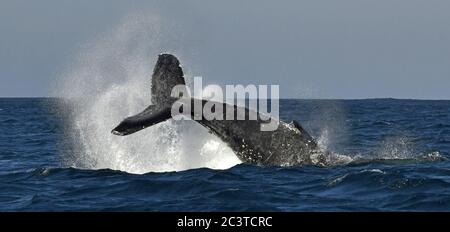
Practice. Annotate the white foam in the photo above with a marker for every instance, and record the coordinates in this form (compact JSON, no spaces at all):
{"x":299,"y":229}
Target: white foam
{"x":374,"y":171}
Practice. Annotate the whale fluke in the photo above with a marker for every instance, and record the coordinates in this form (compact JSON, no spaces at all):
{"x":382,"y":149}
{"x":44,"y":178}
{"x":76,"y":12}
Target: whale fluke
{"x":166,"y":75}
{"x":149,"y":117}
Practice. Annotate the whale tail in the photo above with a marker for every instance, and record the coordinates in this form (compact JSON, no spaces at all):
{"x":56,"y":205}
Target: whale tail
{"x":166,"y":75}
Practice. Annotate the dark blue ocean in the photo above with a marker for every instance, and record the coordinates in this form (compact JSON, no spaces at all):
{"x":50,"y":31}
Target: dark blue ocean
{"x":398,"y":151}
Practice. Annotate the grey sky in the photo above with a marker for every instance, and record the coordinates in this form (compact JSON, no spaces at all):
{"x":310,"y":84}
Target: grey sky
{"x":313,"y":49}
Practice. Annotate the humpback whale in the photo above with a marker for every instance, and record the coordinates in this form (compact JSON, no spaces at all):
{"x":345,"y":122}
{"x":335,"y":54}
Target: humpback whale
{"x":287,"y":145}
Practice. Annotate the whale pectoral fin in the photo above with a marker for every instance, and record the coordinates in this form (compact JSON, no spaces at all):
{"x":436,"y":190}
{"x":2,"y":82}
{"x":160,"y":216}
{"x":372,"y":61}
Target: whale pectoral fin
{"x":149,"y":117}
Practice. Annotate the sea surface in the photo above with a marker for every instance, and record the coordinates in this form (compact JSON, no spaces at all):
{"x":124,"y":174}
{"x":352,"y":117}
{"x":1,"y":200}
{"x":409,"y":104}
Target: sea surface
{"x":391,"y":155}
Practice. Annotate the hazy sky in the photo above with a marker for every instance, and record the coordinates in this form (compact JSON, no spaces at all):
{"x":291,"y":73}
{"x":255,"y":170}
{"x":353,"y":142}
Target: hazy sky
{"x":313,"y":49}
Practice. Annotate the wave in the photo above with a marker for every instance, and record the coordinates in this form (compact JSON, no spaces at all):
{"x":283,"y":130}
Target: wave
{"x":243,"y":187}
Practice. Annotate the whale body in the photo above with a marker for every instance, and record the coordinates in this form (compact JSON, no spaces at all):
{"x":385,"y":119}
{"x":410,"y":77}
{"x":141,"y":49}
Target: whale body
{"x":287,"y":145}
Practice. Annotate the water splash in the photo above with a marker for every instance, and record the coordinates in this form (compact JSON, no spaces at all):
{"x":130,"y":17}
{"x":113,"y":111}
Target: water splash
{"x":403,"y":148}
{"x":331,"y":158}
{"x":400,"y":147}
{"x":391,"y":150}
{"x":109,"y":81}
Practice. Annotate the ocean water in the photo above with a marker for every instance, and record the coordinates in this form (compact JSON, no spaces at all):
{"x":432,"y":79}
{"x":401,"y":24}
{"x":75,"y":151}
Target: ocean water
{"x":56,"y":155}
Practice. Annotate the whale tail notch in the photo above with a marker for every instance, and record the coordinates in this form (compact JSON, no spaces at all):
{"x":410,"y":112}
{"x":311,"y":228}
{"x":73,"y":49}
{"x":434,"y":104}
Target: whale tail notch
{"x":166,"y":75}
